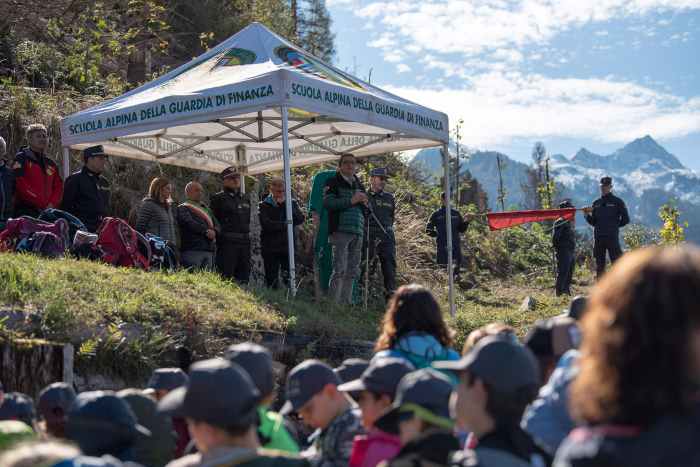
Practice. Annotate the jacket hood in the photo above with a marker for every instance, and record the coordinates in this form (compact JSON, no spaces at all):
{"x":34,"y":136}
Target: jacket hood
{"x":424,"y":345}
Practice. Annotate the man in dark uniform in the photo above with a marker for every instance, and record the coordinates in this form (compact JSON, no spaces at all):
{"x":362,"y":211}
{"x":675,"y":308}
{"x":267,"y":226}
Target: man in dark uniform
{"x":564,"y":242}
{"x":607,"y":215}
{"x":382,"y":242}
{"x":436,"y":228}
{"x":232,"y":209}
{"x":86,"y":193}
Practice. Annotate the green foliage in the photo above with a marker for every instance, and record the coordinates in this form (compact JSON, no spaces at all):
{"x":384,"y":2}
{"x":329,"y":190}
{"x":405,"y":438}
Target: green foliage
{"x":673,"y":230}
{"x":314,"y":30}
{"x":638,"y":236}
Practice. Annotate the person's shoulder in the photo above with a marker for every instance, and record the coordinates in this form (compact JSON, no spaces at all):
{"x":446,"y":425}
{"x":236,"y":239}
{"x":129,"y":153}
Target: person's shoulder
{"x":191,"y":460}
{"x":275,"y":458}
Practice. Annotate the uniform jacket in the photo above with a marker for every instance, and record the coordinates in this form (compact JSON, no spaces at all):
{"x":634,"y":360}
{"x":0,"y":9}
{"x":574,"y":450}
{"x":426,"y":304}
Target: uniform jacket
{"x":609,"y":214}
{"x":672,"y":441}
{"x":503,"y":448}
{"x":375,"y":447}
{"x":343,"y":216}
{"x":432,"y":449}
{"x":436,"y":228}
{"x":273,"y":223}
{"x":86,"y":196}
{"x":239,"y":457}
{"x":232,"y":209}
{"x":37,"y":182}
{"x":384,"y":207}
{"x":334,"y":444}
{"x":194,"y":219}
{"x":563,"y":236}
{"x":155,"y":218}
{"x":7,"y":192}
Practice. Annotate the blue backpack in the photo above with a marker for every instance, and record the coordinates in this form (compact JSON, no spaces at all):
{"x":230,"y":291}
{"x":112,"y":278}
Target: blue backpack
{"x":74,"y":224}
{"x":162,"y":255}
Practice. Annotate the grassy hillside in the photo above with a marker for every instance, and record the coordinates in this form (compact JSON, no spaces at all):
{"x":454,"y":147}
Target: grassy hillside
{"x":125,"y":322}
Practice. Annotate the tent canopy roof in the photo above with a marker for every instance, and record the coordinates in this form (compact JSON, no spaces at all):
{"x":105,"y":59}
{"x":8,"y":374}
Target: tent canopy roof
{"x":224,"y":108}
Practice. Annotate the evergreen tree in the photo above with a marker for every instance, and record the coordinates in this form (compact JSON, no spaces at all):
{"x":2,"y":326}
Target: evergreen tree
{"x":314,"y":30}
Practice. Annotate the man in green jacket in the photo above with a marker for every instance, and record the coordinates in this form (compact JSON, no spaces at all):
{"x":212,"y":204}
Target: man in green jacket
{"x":346,"y":201}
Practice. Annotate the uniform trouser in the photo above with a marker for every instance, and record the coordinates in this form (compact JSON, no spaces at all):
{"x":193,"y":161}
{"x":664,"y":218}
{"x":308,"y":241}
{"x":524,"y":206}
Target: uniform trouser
{"x":275,"y":261}
{"x":197,"y":260}
{"x":347,"y":254}
{"x":565,"y":271}
{"x":601,"y":246}
{"x":233,"y":261}
{"x":456,"y":258}
{"x":384,"y":250}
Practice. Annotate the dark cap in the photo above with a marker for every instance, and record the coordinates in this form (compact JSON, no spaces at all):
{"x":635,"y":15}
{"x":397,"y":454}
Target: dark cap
{"x":18,"y":406}
{"x":379,"y":172}
{"x":576,"y":307}
{"x":425,"y":394}
{"x":606,"y":181}
{"x":230,"y":172}
{"x":101,"y":423}
{"x":503,"y":364}
{"x":565,"y":204}
{"x":56,"y":396}
{"x":351,"y":369}
{"x":305,"y":381}
{"x":256,"y":360}
{"x":553,"y":337}
{"x":381,"y":377}
{"x":219,"y":393}
{"x":93,"y":151}
{"x":167,"y":379}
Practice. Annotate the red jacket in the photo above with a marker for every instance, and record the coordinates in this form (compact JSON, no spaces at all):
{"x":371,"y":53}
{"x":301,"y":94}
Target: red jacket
{"x":371,"y":449}
{"x":37,"y":182}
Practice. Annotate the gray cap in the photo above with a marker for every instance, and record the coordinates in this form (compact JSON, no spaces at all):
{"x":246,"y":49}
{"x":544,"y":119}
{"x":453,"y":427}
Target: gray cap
{"x":503,"y":364}
{"x":167,"y":379}
{"x":219,"y":393}
{"x":423,"y":393}
{"x":381,"y":377}
{"x":351,"y":369}
{"x":257,"y":361}
{"x":56,"y":396}
{"x":305,"y":381}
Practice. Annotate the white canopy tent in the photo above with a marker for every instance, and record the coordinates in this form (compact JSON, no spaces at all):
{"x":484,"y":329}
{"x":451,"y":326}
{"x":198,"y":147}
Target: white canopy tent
{"x":259,"y":103}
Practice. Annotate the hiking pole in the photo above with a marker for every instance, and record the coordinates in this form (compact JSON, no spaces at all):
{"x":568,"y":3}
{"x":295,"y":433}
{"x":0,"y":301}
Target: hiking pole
{"x":366,"y":291}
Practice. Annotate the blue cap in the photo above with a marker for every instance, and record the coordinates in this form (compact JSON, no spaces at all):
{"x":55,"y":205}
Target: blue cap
{"x":219,"y":393}
{"x":167,"y":379}
{"x":425,"y":394}
{"x":18,"y":406}
{"x":379,"y":172}
{"x":305,"y":381}
{"x":256,"y":360}
{"x":351,"y":369}
{"x":56,"y":396}
{"x":93,"y":151}
{"x":382,"y":376}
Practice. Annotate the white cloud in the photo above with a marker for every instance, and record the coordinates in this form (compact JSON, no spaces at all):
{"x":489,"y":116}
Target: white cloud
{"x":403,"y":68}
{"x":500,"y":106}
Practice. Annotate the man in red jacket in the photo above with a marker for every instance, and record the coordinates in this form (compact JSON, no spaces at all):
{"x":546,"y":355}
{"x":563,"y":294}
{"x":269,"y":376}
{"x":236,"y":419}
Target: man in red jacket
{"x":38,"y":184}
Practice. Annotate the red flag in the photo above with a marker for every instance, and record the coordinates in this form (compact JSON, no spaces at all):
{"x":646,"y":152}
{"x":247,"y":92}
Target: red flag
{"x":503,"y":220}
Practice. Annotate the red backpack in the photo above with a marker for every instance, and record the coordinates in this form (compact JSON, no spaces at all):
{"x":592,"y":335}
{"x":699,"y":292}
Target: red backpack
{"x":23,"y":227}
{"x":120,"y":245}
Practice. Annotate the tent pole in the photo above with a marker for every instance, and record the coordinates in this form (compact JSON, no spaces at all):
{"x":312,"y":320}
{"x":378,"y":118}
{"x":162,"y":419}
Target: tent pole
{"x":288,"y":199}
{"x":448,"y":225}
{"x":66,"y":162}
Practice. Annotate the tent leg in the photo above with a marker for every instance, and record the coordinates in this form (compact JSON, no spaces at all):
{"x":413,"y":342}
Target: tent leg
{"x":66,"y":162}
{"x":448,"y":222}
{"x":288,"y":199}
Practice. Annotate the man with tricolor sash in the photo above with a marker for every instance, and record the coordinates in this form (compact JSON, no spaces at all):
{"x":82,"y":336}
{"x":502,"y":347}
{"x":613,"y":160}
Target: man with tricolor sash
{"x":198,"y":229}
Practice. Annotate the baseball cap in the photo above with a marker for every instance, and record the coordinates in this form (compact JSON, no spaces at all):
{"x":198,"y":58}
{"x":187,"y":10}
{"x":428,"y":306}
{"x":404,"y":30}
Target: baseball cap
{"x":379,"y":172}
{"x":553,"y":337}
{"x":56,"y":396}
{"x":230,"y":172}
{"x":503,"y":364}
{"x":576,"y":307}
{"x":351,"y":369}
{"x":219,"y":393}
{"x":305,"y":381}
{"x":18,"y":406}
{"x":101,"y":423}
{"x":382,"y":376}
{"x":167,"y":379}
{"x":606,"y":181}
{"x":423,"y":393}
{"x":256,"y":360}
{"x":93,"y":151}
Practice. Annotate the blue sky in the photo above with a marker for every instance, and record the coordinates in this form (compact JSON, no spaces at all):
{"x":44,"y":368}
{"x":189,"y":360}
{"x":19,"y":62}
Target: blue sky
{"x":570,"y":73}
